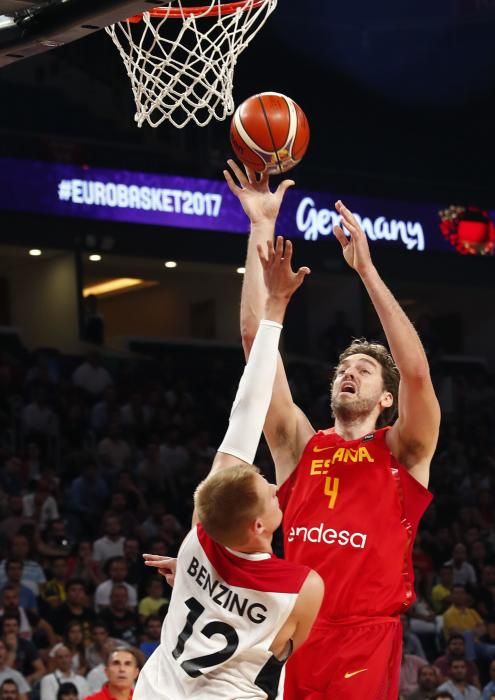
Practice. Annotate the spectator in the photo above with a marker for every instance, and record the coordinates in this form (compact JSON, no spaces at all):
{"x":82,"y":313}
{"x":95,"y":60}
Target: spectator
{"x":443,"y":695}
{"x":87,"y":496}
{"x":104,"y":410}
{"x":39,"y":420}
{"x":411,"y":644}
{"x":63,"y":673}
{"x":152,"y":633}
{"x":68,"y":691}
{"x":458,"y":685}
{"x":117,"y":574}
{"x":81,"y":565}
{"x":55,"y":541}
{"x":22,"y":653}
{"x":40,"y":505}
{"x":74,"y":608}
{"x":111,"y":545}
{"x":74,"y":641}
{"x":409,"y":671}
{"x":122,"y":670}
{"x":463,"y":572}
{"x":136,"y":570}
{"x":155,"y":599}
{"x":456,"y":651}
{"x":14,"y":518}
{"x":485,"y":593}
{"x":122,"y":622}
{"x":32,"y":573}
{"x":97,"y":651}
{"x":97,"y":677}
{"x":114,"y":451}
{"x":13,"y":572}
{"x":489,"y":688}
{"x":53,"y":592}
{"x":478,"y":557}
{"x":10,"y":605}
{"x":125,"y":515}
{"x":442,"y":591}
{"x":91,"y":376}
{"x":6,"y":672}
{"x":10,"y":691}
{"x":459,"y":618}
{"x":427,"y":684}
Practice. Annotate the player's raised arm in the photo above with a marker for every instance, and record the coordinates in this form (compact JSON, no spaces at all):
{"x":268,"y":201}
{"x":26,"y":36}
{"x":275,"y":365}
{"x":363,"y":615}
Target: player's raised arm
{"x":413,"y":437}
{"x":255,"y":388}
{"x":286,"y":428}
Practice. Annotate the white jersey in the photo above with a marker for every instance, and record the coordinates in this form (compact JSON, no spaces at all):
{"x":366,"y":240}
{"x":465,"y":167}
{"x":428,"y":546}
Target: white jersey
{"x":226,"y":609}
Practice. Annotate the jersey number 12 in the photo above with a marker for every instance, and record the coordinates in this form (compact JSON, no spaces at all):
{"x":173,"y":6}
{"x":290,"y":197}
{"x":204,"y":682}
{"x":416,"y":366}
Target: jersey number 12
{"x":193,"y":667}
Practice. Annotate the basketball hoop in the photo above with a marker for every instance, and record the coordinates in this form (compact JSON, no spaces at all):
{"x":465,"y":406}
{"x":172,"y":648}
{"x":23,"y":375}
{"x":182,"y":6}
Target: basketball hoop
{"x":188,"y":74}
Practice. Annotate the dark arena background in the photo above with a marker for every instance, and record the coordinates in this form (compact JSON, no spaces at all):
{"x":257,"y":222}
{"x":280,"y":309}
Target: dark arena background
{"x":120,"y":349}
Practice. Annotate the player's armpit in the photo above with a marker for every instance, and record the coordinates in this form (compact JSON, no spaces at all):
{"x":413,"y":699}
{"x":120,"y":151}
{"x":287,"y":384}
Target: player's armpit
{"x":307,"y":607}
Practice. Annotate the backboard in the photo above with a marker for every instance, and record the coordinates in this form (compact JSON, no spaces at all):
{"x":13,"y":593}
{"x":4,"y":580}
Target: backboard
{"x":30,"y":27}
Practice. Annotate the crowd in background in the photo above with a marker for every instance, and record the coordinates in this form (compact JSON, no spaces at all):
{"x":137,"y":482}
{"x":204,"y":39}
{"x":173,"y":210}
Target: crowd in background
{"x":98,"y":463}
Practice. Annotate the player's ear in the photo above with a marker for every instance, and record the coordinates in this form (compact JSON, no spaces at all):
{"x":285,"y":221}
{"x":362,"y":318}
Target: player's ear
{"x":387,"y":399}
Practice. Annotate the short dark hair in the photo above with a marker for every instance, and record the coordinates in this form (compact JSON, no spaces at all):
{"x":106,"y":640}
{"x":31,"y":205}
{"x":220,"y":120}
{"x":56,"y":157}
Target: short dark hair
{"x":76,"y":582}
{"x":455,"y":635}
{"x":390,"y":373}
{"x":11,"y":681}
{"x":456,"y":661}
{"x":65,"y":689}
{"x":443,"y":695}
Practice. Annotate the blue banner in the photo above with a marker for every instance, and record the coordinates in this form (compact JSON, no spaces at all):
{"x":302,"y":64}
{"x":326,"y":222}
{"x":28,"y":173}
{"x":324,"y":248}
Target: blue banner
{"x":181,"y":202}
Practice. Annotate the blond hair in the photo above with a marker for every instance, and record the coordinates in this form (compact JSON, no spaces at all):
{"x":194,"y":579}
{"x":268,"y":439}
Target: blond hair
{"x":227,"y":501}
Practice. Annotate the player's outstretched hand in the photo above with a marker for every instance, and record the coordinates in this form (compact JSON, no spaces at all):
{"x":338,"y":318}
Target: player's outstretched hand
{"x":166,"y":566}
{"x":253,"y":191}
{"x":280,"y":279}
{"x":356,"y":249}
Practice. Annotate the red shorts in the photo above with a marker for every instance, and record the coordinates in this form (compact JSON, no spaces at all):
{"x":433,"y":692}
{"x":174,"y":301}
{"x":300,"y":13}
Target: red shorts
{"x":358,"y":658}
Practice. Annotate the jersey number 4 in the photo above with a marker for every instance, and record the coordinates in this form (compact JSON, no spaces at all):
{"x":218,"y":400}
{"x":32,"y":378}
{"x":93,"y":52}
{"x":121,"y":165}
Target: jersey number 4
{"x":194,"y":667}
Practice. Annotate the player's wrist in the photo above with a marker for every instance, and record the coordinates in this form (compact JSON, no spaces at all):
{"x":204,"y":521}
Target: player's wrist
{"x":275,"y":308}
{"x":367,"y":272}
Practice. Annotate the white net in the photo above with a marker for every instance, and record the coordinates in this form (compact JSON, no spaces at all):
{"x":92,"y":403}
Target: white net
{"x":181,"y":64}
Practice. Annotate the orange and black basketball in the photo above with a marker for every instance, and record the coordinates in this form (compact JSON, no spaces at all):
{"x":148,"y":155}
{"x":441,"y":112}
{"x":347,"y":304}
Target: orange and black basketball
{"x":269,"y":132}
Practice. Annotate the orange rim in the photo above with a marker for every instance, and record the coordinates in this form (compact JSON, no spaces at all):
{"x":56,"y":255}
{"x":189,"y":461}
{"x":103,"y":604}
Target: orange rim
{"x":178,"y":13}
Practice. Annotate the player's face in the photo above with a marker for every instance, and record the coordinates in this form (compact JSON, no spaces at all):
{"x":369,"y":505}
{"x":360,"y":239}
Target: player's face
{"x":358,"y":387}
{"x":122,"y":669}
{"x":272,"y":515}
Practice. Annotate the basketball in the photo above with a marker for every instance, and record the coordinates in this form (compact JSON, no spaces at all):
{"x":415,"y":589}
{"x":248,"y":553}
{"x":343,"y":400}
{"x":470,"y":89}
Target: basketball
{"x":269,"y":133}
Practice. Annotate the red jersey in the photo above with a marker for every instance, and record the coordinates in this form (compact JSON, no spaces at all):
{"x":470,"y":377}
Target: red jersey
{"x":351,"y":512}
{"x":104,"y":694}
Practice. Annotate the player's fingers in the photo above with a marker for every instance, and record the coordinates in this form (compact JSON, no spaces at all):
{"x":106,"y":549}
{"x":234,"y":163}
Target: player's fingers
{"x":301,"y":274}
{"x":270,"y":251}
{"x":289,"y":249}
{"x":238,"y":172}
{"x":341,"y":237}
{"x":235,"y":189}
{"x":284,"y":186}
{"x":251,"y":174}
{"x":347,"y":215}
{"x":279,"y":247}
{"x":261,"y":255}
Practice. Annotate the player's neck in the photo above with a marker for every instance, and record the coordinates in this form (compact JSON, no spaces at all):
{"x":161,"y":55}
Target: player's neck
{"x":256,"y":545}
{"x":355,"y":428}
